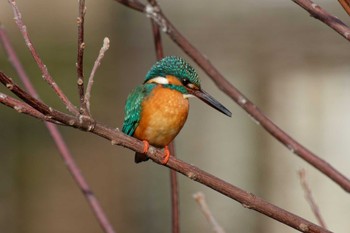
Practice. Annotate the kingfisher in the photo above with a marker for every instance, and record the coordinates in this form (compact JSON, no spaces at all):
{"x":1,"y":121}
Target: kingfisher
{"x":156,"y":110}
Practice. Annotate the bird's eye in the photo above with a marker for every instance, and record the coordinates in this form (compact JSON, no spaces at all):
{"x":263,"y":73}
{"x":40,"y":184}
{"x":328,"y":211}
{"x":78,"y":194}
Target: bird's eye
{"x":185,"y":82}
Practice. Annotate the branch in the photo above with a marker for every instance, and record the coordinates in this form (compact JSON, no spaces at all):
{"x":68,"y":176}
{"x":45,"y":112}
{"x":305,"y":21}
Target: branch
{"x":310,"y":199}
{"x":45,"y":73}
{"x":346,"y":5}
{"x":24,"y":108}
{"x":80,"y":56}
{"x":294,"y":146}
{"x":99,"y":58}
{"x":248,"y":200}
{"x":318,"y":13}
{"x":200,"y":199}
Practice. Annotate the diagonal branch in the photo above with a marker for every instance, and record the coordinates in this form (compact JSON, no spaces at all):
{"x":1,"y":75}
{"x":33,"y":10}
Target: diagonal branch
{"x":24,"y":108}
{"x":294,"y":146}
{"x":97,"y":63}
{"x":319,"y":13}
{"x":309,"y":198}
{"x":200,"y":199}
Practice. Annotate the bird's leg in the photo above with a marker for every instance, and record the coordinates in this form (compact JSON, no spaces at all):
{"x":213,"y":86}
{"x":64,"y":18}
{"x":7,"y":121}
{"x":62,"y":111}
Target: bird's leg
{"x":166,"y":155}
{"x":145,"y":146}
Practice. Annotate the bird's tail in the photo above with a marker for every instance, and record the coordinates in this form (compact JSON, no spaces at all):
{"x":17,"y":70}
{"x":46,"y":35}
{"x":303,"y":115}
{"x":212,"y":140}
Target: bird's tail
{"x":139,"y":157}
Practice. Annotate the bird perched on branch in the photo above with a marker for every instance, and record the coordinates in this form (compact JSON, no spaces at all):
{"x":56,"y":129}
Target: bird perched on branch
{"x":156,"y":111}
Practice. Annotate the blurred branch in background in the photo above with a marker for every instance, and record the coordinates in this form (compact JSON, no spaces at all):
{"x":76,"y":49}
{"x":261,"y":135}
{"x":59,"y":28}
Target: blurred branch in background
{"x":346,"y":5}
{"x":309,"y":198}
{"x":200,"y":199}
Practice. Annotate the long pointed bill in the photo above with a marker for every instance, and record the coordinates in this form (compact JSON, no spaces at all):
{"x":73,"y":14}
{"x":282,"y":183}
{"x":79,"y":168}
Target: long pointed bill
{"x":208,"y":99}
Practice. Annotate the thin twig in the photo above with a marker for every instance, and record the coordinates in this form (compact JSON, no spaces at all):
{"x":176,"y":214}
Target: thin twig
{"x":294,"y":146}
{"x":200,"y":199}
{"x":45,"y":73}
{"x":44,"y":113}
{"x":309,"y":198}
{"x":116,"y":137}
{"x":80,"y":56}
{"x":99,"y":58}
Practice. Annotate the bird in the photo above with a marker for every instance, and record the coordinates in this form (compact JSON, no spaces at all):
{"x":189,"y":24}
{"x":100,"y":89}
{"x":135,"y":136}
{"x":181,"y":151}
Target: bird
{"x":156,"y":110}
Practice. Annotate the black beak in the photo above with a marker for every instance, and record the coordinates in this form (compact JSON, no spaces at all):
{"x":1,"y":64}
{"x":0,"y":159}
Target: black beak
{"x":208,"y":99}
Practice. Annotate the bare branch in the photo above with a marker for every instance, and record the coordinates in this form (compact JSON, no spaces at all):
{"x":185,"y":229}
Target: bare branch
{"x":318,"y":13}
{"x":200,"y":199}
{"x":346,"y":5}
{"x":45,"y":73}
{"x":310,"y":199}
{"x":101,"y":54}
{"x":21,"y":107}
{"x":80,"y":55}
{"x":294,"y":146}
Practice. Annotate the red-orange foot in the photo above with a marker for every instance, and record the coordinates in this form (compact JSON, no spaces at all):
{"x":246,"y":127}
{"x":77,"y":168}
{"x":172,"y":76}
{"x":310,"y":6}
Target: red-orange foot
{"x":142,"y":157}
{"x":145,"y":146}
{"x":166,"y":155}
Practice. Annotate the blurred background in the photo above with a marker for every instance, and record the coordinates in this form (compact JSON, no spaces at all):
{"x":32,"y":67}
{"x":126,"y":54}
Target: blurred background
{"x":294,"y":68}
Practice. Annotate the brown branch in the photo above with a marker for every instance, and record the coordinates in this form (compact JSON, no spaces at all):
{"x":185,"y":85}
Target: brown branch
{"x":310,"y":199}
{"x":248,"y":200}
{"x":24,"y":108}
{"x":294,"y":146}
{"x":319,"y":13}
{"x":200,"y":199}
{"x":45,"y":73}
{"x":346,"y":5}
{"x":80,"y":56}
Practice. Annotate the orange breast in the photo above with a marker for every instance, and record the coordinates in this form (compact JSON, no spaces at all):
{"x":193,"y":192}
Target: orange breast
{"x":163,"y":115}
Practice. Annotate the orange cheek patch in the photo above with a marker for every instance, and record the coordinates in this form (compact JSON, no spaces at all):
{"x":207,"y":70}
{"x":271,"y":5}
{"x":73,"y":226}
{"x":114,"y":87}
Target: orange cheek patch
{"x":173,"y":80}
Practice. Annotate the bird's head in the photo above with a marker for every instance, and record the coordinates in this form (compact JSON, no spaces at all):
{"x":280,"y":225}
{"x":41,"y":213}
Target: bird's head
{"x":175,"y":72}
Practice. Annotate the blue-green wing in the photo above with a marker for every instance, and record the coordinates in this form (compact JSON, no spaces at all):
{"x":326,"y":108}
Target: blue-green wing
{"x":133,"y":107}
{"x":133,"y":110}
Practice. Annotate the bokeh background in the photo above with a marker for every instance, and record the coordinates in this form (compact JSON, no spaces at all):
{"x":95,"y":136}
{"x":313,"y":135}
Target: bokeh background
{"x":293,"y":67}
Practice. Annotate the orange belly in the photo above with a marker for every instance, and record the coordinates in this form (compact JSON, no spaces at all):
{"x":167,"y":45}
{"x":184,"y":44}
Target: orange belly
{"x":163,"y":115}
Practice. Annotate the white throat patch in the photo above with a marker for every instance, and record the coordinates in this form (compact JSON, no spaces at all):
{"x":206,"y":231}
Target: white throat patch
{"x":186,"y":96}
